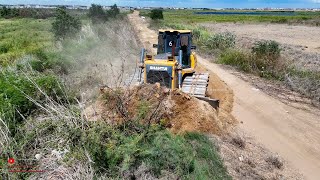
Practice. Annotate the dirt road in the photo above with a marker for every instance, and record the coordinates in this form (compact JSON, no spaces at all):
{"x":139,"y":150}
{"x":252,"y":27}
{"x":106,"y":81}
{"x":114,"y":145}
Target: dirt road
{"x":292,"y":133}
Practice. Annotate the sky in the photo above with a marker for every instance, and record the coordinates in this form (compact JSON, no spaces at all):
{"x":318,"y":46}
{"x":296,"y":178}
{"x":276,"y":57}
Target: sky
{"x":180,"y":3}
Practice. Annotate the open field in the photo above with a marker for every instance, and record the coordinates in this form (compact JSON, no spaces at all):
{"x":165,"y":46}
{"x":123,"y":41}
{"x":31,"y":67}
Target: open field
{"x":189,"y":16}
{"x":300,"y":44}
{"x":305,"y":37}
{"x":19,"y":37}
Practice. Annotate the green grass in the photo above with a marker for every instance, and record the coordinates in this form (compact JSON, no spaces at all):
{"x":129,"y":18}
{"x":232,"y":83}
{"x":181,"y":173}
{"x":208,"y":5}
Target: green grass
{"x":19,"y":37}
{"x":189,"y":17}
{"x":15,"y":91}
{"x":117,"y":150}
{"x":236,"y":58}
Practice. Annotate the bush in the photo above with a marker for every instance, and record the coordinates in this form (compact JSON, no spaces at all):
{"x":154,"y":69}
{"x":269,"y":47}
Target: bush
{"x":200,"y":34}
{"x":97,"y":14}
{"x":36,"y":13}
{"x":269,"y":49}
{"x":266,"y":59}
{"x":220,"y":41}
{"x":118,"y":151}
{"x":8,"y":12}
{"x":65,"y":25}
{"x":114,"y":11}
{"x":26,"y":13}
{"x":156,"y":14}
{"x":236,"y":58}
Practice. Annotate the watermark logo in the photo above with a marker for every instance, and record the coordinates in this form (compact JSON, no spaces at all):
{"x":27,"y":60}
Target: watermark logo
{"x":11,"y":161}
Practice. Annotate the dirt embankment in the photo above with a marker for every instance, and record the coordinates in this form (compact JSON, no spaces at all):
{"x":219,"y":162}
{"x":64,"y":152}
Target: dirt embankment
{"x":152,"y":104}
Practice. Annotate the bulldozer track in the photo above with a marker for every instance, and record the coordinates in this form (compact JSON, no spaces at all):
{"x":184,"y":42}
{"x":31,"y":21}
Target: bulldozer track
{"x":196,"y":84}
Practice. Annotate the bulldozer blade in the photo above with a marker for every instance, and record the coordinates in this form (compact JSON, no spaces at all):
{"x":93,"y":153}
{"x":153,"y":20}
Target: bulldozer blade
{"x":213,"y":102}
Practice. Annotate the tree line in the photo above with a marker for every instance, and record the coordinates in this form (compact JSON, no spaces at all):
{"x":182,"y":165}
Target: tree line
{"x":66,"y":25}
{"x":25,"y":13}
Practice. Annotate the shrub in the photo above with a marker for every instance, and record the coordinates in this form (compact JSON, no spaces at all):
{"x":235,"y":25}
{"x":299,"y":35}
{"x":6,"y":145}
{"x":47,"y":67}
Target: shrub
{"x":236,"y":58}
{"x":275,"y":161}
{"x":8,"y":12}
{"x":117,"y":152}
{"x":36,"y":13}
{"x":26,"y":13}
{"x":156,"y":14}
{"x":200,"y":34}
{"x":266,"y":59}
{"x":114,"y":11}
{"x":65,"y":25}
{"x":220,"y":41}
{"x":97,"y":14}
{"x":269,"y":49}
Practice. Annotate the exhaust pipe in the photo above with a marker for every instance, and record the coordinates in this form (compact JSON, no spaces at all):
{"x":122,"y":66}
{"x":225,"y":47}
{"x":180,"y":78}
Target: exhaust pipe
{"x":180,"y":69}
{"x":141,"y":64}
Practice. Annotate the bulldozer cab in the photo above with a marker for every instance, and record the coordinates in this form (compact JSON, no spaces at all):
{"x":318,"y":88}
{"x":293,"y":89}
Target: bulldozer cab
{"x":170,"y":42}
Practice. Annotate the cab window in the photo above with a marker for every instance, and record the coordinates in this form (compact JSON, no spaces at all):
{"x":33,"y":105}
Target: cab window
{"x":160,"y":44}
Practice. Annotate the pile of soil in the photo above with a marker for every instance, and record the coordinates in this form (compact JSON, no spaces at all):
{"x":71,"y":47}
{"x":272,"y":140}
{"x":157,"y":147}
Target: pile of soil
{"x":218,"y":89}
{"x":153,"y":104}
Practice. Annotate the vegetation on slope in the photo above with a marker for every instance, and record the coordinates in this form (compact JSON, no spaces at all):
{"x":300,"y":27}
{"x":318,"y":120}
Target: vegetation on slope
{"x":40,"y":117}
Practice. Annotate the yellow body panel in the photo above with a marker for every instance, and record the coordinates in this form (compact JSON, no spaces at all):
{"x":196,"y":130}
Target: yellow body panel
{"x":193,"y":59}
{"x":174,"y":79}
{"x":150,"y":60}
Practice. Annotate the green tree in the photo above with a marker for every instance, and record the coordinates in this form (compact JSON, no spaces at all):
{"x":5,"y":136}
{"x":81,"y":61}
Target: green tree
{"x":97,"y":14}
{"x":156,"y":14}
{"x":4,"y":12}
{"x":114,"y":11}
{"x":8,"y":12}
{"x":65,"y":25}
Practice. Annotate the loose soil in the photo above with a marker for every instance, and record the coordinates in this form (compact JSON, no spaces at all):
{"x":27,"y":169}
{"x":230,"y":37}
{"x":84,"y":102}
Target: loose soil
{"x":152,"y":104}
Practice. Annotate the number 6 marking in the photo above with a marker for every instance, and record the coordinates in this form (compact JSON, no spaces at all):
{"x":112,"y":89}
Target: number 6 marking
{"x":170,"y":43}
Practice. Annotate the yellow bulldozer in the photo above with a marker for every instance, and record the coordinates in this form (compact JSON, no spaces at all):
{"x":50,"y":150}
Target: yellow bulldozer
{"x":174,"y":65}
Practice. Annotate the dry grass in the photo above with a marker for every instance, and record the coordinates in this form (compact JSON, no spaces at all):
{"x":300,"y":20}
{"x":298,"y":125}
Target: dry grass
{"x":275,"y":161}
{"x":104,"y":54}
{"x":252,"y":160}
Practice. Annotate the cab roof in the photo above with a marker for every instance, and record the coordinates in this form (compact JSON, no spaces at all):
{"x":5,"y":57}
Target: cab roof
{"x":172,"y":30}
